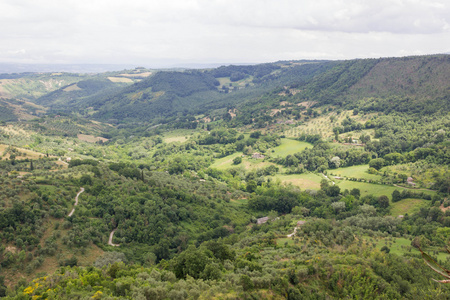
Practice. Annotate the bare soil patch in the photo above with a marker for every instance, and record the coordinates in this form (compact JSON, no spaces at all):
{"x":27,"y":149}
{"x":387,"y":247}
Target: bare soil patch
{"x":143,"y":74}
{"x":120,"y":79}
{"x":90,"y":138}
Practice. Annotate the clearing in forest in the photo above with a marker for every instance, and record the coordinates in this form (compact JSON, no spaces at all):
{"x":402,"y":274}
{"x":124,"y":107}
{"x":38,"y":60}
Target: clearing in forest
{"x":408,"y":206}
{"x":306,"y":181}
{"x":360,"y":171}
{"x":289,"y":146}
{"x":90,"y":138}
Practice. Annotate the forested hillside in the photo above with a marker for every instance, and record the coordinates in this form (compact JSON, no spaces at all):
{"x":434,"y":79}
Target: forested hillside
{"x":288,"y":180}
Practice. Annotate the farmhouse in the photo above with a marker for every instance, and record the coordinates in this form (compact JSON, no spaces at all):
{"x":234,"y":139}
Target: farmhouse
{"x":257,"y":155}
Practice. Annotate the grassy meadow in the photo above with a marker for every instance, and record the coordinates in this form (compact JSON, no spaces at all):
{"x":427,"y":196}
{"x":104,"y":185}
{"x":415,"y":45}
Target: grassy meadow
{"x":304,"y":181}
{"x":408,"y":206}
{"x":289,"y":147}
{"x":354,"y":171}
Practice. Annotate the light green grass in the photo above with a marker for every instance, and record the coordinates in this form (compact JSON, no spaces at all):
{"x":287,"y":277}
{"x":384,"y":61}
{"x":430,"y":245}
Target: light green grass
{"x":408,"y":206}
{"x":178,"y":135}
{"x":224,"y":80}
{"x":282,"y":241}
{"x":247,"y":163}
{"x":304,"y":181}
{"x":239,"y":201}
{"x":226,"y":162}
{"x":289,"y":146}
{"x":355,"y":171}
{"x":368,"y":188}
{"x":373,"y":189}
{"x":402,"y":246}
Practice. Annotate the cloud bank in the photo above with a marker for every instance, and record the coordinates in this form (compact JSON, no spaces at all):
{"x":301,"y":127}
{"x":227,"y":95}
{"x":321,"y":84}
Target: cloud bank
{"x":169,"y":32}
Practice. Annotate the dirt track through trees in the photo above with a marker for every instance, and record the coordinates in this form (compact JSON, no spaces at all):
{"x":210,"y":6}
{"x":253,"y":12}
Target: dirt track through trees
{"x":76,"y":202}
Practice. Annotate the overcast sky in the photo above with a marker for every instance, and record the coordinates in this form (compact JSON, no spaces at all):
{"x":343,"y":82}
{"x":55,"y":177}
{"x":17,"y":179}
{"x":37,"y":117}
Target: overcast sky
{"x":154,"y":33}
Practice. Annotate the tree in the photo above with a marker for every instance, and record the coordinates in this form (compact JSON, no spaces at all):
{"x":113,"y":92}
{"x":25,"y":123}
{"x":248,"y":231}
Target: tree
{"x":383,"y":202}
{"x":191,"y":262}
{"x":385,"y":249}
{"x":377,"y":163}
{"x":355,"y":193}
{"x":251,"y":186}
{"x":335,"y":162}
{"x":396,"y":196}
{"x":237,"y":160}
{"x":333,"y":190}
{"x":86,"y":179}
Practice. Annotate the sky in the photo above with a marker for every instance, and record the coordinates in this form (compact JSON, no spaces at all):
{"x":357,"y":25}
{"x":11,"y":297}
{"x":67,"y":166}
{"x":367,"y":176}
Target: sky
{"x":160,"y":33}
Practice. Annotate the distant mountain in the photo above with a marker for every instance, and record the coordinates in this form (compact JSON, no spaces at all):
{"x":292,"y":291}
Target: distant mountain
{"x":71,"y":68}
{"x":408,"y":84}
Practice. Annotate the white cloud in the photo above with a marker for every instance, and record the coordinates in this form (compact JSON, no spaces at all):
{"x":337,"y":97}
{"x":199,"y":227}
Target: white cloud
{"x":142,"y":31}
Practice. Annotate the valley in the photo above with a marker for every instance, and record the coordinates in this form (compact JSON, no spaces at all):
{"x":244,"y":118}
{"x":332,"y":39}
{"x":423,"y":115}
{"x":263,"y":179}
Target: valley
{"x":285,"y":180}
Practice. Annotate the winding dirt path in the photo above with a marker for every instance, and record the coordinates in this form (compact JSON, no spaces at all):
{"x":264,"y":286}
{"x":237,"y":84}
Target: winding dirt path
{"x":328,"y":178}
{"x":110,"y":239}
{"x":297,"y":226}
{"x":76,"y":202}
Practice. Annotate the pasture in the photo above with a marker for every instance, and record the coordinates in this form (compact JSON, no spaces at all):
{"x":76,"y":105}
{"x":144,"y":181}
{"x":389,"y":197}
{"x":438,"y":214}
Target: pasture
{"x":178,"y":135}
{"x":354,"y":171}
{"x":368,"y":188}
{"x":247,"y":163}
{"x":304,"y":181}
{"x":408,"y":206}
{"x":289,"y":147}
{"x":401,"y":246}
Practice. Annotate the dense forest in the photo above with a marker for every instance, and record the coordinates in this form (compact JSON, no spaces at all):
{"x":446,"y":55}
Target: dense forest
{"x":288,"y":180}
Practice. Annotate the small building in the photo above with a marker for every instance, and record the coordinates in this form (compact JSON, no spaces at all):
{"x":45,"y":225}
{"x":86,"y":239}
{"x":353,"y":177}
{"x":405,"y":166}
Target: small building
{"x":257,"y":155}
{"x":410,"y":181}
{"x":262,"y":220}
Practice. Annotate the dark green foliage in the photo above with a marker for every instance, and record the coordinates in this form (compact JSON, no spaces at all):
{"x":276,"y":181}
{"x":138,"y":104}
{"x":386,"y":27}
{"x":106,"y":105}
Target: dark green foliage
{"x":383,"y":201}
{"x":75,"y":94}
{"x":396,"y":196}
{"x":2,"y":286}
{"x":79,"y":162}
{"x":6,"y":113}
{"x":71,"y":262}
{"x":377,"y":163}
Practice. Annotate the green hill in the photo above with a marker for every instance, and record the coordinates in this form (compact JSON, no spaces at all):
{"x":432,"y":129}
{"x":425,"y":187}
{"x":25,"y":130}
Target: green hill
{"x":288,"y":180}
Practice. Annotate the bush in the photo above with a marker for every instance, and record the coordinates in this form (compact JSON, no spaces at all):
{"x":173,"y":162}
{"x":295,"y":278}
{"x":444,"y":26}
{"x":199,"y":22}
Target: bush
{"x":237,"y":160}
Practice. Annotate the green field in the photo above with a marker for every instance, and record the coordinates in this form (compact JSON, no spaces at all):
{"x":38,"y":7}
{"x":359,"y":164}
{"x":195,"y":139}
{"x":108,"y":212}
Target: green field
{"x":248,"y":163}
{"x":354,"y":171}
{"x":402,"y":246}
{"x":368,"y":188}
{"x":178,"y":135}
{"x":282,"y":241}
{"x":304,"y":181}
{"x":408,"y":206}
{"x":289,"y":146}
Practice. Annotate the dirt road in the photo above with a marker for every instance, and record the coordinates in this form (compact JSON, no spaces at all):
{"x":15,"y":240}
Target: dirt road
{"x":76,"y":202}
{"x":111,"y":237}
